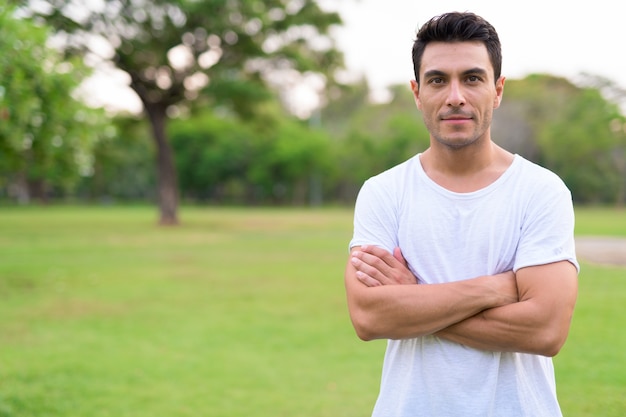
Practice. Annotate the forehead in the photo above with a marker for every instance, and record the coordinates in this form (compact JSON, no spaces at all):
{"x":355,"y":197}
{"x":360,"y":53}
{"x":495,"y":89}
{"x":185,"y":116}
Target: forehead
{"x":453,"y":57}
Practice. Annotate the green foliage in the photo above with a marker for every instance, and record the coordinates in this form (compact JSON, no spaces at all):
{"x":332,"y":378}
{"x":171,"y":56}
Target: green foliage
{"x":46,"y":136}
{"x":234,"y":144}
{"x":167,"y":45}
{"x":212,"y":155}
{"x":222,"y":158}
{"x":274,"y":158}
{"x":571,"y":132}
{"x":377,"y":137}
{"x":104,"y":314}
{"x":582,"y":137}
{"x":279,"y":159}
{"x":182,"y":54}
{"x":123,"y":167}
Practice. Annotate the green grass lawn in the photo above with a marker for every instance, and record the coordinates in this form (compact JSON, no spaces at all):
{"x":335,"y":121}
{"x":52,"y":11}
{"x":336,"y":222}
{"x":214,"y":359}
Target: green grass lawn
{"x":601,"y":222}
{"x":238,"y":312}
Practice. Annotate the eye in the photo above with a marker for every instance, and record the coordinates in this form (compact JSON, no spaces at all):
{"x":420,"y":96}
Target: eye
{"x":436,"y":80}
{"x":474,"y":78}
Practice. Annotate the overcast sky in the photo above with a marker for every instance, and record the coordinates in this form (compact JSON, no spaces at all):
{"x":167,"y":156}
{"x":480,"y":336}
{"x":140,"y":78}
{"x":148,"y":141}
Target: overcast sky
{"x":562,"y":37}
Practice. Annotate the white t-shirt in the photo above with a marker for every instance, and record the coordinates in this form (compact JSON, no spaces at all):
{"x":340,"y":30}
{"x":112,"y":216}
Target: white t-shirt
{"x":524,"y":218}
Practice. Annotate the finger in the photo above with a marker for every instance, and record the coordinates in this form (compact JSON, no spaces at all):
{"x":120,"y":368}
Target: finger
{"x":374,"y":266}
{"x":379,"y":257}
{"x":392,"y":260}
{"x":367,"y":280}
{"x":392,"y":269}
{"x":397,"y":253}
{"x":375,"y":250}
{"x":370,"y":266}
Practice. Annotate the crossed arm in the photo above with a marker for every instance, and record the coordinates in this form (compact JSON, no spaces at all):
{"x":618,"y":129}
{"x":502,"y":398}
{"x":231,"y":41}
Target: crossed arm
{"x":527,"y":312}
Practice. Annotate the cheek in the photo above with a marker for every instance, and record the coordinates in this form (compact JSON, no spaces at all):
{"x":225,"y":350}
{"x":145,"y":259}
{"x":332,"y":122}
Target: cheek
{"x":426,"y":105}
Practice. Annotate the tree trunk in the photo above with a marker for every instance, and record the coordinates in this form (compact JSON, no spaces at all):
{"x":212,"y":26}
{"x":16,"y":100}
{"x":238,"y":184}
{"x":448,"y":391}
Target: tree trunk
{"x":166,"y":170}
{"x":37,"y":190}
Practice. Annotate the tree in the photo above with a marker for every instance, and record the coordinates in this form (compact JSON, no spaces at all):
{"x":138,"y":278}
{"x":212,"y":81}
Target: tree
{"x":177,"y":53}
{"x":274,"y":158}
{"x":373,"y":136}
{"x":211,"y":153}
{"x":46,"y":135}
{"x":122,"y":164}
{"x":573,"y":130}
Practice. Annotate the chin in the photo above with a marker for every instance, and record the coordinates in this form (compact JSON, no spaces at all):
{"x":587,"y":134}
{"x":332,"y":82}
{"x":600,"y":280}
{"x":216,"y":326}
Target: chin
{"x":457,"y":143}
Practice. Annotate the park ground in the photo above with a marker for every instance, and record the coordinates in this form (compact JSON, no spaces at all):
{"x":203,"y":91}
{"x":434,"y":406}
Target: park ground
{"x":602,"y":250}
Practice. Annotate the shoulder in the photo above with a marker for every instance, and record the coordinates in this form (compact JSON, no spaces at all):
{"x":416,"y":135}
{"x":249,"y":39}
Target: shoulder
{"x":387,"y":189}
{"x":538,"y":177}
{"x":398,"y":174}
{"x":543,"y":195}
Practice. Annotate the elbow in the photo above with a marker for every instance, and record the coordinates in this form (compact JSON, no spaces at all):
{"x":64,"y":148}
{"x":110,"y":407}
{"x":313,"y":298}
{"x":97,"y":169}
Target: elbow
{"x":551,"y":342}
{"x":365,"y":327}
{"x":364,"y":334}
{"x":549,"y":350}
{"x":548,"y":332}
{"x":555,"y":336}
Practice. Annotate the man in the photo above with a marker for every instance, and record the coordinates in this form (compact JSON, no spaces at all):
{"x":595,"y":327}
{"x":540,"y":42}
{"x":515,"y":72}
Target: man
{"x":463,"y":256}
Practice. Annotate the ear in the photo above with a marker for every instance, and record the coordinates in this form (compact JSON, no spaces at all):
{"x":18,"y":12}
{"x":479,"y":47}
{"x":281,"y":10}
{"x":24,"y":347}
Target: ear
{"x":499,"y":92}
{"x":415,"y":88}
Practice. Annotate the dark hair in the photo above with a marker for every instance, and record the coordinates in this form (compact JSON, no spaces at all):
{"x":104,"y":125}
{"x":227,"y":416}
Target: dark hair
{"x":458,"y":27}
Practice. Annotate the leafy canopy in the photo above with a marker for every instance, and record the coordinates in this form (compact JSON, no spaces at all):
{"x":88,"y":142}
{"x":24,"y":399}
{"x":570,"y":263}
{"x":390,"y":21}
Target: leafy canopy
{"x":176,"y":51}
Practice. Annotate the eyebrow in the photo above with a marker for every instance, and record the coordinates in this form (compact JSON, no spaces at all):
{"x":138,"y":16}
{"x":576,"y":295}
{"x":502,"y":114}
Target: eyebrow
{"x":439,"y":73}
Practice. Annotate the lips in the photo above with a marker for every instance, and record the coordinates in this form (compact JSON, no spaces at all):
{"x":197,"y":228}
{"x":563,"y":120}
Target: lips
{"x":453,"y":117}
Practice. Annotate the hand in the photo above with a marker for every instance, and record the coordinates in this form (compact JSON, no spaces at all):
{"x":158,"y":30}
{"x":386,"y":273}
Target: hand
{"x":375,"y":266}
{"x":505,"y":285}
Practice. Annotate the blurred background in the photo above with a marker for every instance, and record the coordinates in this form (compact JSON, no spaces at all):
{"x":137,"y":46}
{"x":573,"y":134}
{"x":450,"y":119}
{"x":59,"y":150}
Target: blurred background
{"x":281,"y":102}
{"x":251,"y":125}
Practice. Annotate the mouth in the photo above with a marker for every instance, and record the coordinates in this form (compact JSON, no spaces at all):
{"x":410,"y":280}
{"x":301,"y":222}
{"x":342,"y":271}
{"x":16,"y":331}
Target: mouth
{"x":456,"y":121}
{"x":456,"y":117}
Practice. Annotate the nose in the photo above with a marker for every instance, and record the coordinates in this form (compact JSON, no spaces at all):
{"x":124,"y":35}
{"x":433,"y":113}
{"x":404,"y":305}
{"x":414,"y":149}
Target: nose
{"x":455,"y":95}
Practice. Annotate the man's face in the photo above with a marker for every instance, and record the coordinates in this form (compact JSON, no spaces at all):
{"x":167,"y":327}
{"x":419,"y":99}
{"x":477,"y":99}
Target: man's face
{"x":457,"y":93}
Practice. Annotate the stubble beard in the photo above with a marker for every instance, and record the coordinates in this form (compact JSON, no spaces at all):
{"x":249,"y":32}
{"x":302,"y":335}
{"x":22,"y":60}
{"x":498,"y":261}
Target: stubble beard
{"x":457,"y":143}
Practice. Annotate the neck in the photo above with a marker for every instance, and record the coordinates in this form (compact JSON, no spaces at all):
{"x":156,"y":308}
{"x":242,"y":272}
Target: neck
{"x":465,"y":169}
{"x":462,"y":161}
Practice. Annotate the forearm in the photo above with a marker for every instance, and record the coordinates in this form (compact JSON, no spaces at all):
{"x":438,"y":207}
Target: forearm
{"x":405,"y":311}
{"x":539,"y":323}
{"x":517,"y":327}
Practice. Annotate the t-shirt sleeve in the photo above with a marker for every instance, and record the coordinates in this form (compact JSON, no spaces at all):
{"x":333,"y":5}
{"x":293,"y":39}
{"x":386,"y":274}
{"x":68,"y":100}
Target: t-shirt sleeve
{"x":375,"y":216}
{"x":547,"y":234}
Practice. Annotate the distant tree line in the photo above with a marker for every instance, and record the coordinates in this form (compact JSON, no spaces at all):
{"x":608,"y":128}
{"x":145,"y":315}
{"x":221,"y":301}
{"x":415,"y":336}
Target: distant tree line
{"x":232,"y":141}
{"x":274,"y":158}
{"x":571,"y":129}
